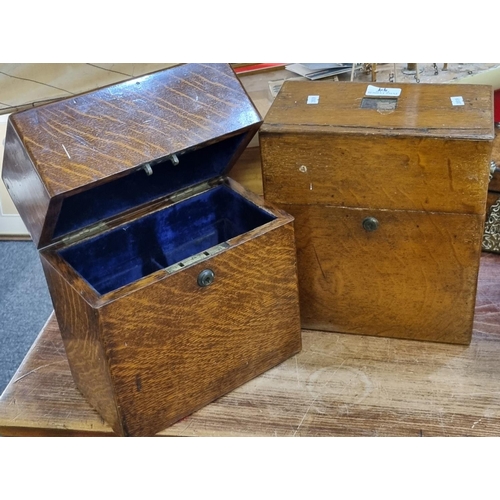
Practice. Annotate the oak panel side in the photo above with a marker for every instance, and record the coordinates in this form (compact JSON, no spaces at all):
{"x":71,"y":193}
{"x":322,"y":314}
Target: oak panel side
{"x":80,"y":327}
{"x":414,"y":277}
{"x":376,"y":172}
{"x":24,"y":185}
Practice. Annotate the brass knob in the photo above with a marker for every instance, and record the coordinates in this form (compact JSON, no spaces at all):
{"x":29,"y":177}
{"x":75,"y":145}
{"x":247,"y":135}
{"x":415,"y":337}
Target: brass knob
{"x":206,"y":277}
{"x":370,"y":224}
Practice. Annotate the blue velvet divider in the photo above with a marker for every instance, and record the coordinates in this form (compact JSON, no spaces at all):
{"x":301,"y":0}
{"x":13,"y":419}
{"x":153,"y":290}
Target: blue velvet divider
{"x":137,"y":188}
{"x":164,"y":238}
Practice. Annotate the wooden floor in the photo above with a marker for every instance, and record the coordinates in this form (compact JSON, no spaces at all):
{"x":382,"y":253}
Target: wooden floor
{"x":339,"y":385}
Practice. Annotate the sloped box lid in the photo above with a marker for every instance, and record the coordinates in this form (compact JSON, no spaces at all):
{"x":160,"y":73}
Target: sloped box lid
{"x":76,"y":162}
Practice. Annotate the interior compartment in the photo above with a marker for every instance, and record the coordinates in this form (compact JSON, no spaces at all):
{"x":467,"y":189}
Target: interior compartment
{"x":138,"y":188}
{"x":164,"y":238}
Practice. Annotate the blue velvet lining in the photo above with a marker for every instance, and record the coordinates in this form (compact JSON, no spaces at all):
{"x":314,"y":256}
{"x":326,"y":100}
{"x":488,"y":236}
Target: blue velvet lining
{"x":164,"y":238}
{"x":97,"y":204}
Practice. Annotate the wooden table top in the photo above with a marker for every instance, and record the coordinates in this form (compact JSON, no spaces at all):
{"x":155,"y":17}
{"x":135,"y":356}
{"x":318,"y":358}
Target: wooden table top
{"x":338,"y":385}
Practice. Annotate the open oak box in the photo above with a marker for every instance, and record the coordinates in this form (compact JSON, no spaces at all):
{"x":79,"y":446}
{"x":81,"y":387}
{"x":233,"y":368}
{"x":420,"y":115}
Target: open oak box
{"x":171,"y":283}
{"x":191,"y":224}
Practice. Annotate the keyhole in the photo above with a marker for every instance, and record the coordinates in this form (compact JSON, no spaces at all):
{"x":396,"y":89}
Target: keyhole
{"x":370,"y":224}
{"x":206,"y":277}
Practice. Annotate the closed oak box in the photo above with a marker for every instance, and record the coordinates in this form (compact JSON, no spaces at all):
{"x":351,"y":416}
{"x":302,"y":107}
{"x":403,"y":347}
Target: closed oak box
{"x":388,"y":194}
{"x":171,"y":283}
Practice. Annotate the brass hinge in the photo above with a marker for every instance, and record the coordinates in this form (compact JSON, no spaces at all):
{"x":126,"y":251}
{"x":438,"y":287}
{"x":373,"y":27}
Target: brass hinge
{"x":84,"y":233}
{"x":190,"y":191}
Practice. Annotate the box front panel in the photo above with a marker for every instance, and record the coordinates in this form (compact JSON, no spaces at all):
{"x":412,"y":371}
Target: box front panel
{"x":405,"y":274}
{"x":175,"y":346}
{"x":376,"y":172}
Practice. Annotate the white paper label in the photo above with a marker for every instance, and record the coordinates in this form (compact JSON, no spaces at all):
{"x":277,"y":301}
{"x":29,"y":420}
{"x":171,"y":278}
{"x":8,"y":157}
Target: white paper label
{"x":312,"y":99}
{"x":382,"y":91}
{"x":457,"y":101}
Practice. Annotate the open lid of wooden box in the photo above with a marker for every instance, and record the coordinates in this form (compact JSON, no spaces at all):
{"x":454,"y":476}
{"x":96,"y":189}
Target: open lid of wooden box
{"x":446,"y":111}
{"x":72,"y":164}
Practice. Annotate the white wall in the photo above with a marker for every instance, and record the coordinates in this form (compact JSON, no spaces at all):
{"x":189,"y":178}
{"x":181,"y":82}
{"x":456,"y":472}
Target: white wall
{"x":10,"y":222}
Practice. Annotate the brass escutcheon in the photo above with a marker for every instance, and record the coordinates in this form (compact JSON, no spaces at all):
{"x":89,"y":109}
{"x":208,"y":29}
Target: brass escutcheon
{"x":206,"y":277}
{"x":370,"y":224}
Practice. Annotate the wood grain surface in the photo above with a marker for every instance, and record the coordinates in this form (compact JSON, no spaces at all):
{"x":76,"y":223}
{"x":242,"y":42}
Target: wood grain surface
{"x":376,"y":172}
{"x":247,"y":171}
{"x":423,"y":110}
{"x":150,"y":353}
{"x":60,"y":149}
{"x":90,"y":137}
{"x":338,"y":385}
{"x":414,"y":277}
{"x":173,"y":355}
{"x":150,"y":350}
{"x":80,"y":329}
